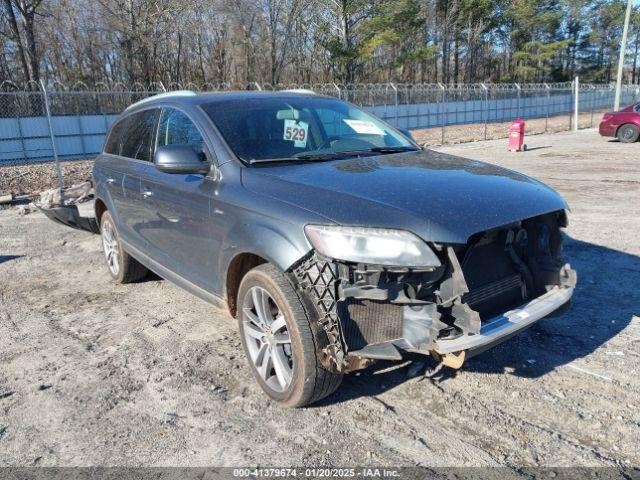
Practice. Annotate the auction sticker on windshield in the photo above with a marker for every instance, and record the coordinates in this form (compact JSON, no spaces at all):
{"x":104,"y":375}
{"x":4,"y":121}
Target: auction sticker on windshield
{"x":296,"y":132}
{"x":365,"y":126}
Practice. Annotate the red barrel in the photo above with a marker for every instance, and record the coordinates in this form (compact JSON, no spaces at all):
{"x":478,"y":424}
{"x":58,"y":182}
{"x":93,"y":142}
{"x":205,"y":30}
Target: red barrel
{"x":516,"y":136}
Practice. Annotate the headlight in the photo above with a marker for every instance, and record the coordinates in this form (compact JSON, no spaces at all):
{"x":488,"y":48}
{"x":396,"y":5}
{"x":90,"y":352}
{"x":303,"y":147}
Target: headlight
{"x":371,"y":245}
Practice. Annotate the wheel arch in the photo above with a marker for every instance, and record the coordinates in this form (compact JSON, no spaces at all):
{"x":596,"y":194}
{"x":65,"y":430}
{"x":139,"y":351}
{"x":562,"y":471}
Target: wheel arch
{"x":262,"y":245}
{"x":239,"y":266}
{"x":99,"y":208}
{"x":635,"y":124}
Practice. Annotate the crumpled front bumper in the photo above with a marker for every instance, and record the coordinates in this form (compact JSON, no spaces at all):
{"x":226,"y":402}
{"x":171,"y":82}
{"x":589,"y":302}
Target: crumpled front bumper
{"x":502,"y":327}
{"x":482,"y":294}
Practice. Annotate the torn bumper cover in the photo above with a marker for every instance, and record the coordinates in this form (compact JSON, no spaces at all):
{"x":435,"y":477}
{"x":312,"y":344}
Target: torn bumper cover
{"x":72,"y":206}
{"x":484,"y":292}
{"x":503,"y":327}
{"x":69,"y":215}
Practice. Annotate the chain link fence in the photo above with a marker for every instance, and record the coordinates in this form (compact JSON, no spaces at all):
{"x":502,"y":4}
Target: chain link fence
{"x":77,"y":118}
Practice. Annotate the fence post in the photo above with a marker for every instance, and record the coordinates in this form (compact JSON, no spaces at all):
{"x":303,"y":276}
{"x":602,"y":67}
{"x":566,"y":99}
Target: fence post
{"x":518,"y":101}
{"x":442,"y":119}
{"x":592,"y":95}
{"x":339,"y":91}
{"x":546,"y":117}
{"x":52,"y":135}
{"x":78,"y":117}
{"x":258,"y":86}
{"x":576,"y":104}
{"x":486,"y":108}
{"x":395,"y":93}
{"x":19,"y":125}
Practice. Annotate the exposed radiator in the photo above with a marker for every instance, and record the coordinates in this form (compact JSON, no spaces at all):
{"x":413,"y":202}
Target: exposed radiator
{"x":509,"y":285}
{"x":370,"y":321}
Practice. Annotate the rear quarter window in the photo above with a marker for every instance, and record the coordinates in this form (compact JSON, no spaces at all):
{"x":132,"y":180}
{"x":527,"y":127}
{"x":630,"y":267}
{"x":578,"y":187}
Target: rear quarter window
{"x":132,"y":136}
{"x":114,"y":141}
{"x":137,"y":137}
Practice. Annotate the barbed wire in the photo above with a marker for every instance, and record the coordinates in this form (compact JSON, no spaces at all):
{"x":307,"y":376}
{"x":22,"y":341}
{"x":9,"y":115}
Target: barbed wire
{"x":158,"y":87}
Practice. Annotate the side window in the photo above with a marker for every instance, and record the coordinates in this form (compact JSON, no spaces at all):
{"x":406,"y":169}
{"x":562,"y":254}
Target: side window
{"x":114,"y":141}
{"x":137,"y":137}
{"x":176,"y":128}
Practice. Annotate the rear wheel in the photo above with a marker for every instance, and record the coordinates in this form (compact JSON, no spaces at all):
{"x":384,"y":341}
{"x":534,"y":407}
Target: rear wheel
{"x":122,"y":266}
{"x":628,"y":133}
{"x":278,"y":340}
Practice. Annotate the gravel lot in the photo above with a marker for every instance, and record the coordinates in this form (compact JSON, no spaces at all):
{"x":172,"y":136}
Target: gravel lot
{"x":94,"y":373}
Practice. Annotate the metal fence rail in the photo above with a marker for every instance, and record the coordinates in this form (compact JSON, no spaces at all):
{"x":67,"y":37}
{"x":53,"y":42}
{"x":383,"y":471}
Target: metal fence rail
{"x":79,"y":118}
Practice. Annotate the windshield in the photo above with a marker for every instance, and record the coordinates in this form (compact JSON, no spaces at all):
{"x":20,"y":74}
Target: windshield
{"x":301,"y":128}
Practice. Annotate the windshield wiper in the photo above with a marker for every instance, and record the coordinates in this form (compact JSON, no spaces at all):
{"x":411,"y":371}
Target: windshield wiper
{"x":330,"y":155}
{"x":355,"y":153}
{"x":320,"y":157}
{"x":394,"y":149}
{"x":301,"y":158}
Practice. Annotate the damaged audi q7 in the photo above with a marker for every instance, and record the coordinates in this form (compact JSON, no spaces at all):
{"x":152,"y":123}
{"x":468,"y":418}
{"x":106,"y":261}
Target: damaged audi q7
{"x":333,"y":238}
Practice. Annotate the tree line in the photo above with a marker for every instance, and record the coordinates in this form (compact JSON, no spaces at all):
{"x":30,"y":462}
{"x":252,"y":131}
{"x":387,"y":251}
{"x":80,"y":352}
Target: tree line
{"x":314,"y":41}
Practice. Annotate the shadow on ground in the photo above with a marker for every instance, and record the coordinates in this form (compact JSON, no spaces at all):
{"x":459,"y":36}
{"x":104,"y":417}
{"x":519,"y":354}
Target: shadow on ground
{"x":604,"y":302}
{"x":531,"y":149}
{"x":8,"y":258}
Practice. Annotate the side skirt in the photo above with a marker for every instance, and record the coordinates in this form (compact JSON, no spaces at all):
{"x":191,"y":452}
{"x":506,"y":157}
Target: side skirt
{"x":174,"y":278}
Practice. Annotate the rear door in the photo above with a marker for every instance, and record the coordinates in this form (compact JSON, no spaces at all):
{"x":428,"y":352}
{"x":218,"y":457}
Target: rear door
{"x":178,"y":227}
{"x":112,"y":172}
{"x":135,"y":158}
{"x":129,"y":146}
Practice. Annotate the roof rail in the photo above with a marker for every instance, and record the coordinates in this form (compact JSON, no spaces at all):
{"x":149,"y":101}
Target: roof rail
{"x":304,"y":91}
{"x":176,"y":93}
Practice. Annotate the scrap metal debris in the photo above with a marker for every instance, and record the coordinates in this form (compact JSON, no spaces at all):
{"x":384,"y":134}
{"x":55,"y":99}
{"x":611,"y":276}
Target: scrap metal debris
{"x":73,"y":195}
{"x":61,"y":206}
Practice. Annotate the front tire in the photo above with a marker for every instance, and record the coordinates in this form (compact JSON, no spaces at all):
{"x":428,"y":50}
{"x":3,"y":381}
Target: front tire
{"x":628,"y":133}
{"x":123,"y":268}
{"x":278,"y":340}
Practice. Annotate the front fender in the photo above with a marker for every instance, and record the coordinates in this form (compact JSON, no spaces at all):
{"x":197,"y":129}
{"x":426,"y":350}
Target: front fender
{"x":278,"y":244}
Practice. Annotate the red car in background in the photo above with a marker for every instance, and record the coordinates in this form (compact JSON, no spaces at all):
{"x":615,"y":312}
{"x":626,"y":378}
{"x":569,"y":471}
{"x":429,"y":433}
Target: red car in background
{"x":624,"y":124}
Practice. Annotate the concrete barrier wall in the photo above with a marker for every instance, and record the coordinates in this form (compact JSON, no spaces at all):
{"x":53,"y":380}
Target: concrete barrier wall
{"x":429,"y":115}
{"x":28,"y":139}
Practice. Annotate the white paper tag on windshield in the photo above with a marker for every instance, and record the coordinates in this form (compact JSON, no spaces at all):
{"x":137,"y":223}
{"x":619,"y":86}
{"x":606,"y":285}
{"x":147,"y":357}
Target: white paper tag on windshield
{"x":296,"y":132}
{"x":365,"y":126}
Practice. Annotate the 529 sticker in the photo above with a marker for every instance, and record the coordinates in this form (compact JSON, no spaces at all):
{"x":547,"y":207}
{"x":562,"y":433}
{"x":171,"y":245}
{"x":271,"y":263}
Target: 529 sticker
{"x":296,"y":132}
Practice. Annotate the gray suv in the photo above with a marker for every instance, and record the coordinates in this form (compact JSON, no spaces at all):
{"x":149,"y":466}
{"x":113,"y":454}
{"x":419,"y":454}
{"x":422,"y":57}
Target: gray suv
{"x":333,"y":238}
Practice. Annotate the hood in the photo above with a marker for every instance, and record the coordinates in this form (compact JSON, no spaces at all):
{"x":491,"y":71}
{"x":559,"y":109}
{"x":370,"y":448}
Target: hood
{"x":441,"y":198}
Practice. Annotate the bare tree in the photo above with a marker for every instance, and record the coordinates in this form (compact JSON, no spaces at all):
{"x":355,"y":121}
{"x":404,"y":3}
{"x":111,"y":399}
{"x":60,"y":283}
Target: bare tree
{"x":25,"y":35}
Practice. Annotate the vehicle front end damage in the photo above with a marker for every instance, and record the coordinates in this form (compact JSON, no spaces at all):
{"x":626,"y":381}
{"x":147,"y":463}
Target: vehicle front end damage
{"x":482,"y":293}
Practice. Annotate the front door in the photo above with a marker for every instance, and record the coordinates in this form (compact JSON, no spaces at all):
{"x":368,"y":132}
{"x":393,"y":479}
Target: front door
{"x":178,"y":227}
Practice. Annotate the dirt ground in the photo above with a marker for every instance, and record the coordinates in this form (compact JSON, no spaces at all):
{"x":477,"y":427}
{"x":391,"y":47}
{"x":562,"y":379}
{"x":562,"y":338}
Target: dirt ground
{"x":93,"y":373}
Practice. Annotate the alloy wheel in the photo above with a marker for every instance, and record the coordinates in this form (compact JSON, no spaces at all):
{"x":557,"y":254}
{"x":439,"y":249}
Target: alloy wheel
{"x":111,"y":248}
{"x":268,"y":340}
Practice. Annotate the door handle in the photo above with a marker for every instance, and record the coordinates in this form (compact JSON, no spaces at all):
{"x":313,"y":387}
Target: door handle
{"x":111,"y":180}
{"x":147,"y":194}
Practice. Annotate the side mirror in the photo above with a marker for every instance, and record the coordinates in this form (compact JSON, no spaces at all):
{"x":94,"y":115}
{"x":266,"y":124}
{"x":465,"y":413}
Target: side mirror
{"x":180,"y":159}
